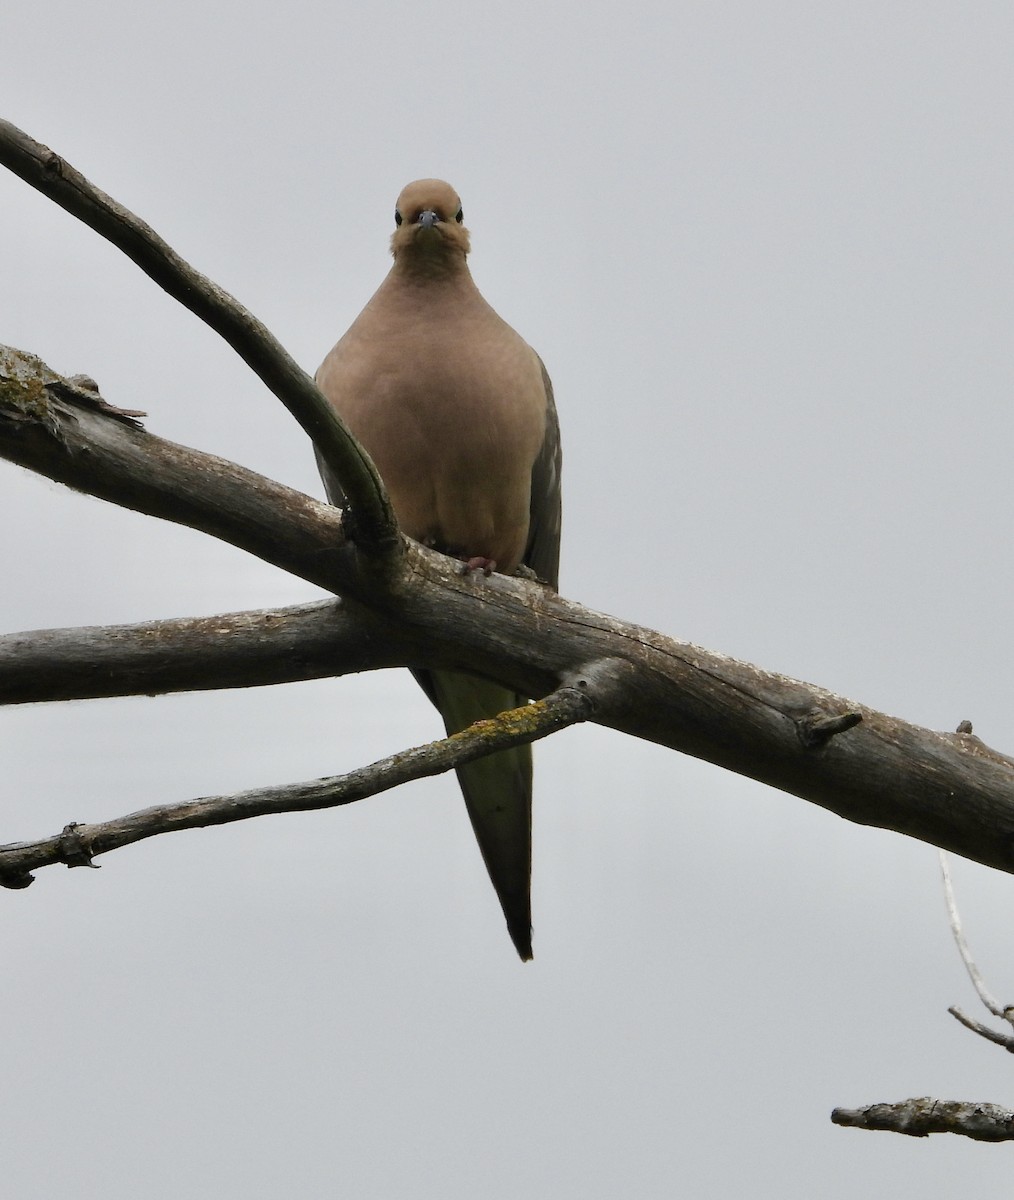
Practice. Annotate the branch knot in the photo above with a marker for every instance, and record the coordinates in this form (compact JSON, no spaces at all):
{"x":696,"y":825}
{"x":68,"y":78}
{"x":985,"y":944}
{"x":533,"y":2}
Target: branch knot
{"x":817,"y":728}
{"x":74,"y":850}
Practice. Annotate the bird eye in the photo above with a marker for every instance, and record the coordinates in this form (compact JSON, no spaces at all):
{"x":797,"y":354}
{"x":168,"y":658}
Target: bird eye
{"x":397,"y":217}
{"x":459,"y":216}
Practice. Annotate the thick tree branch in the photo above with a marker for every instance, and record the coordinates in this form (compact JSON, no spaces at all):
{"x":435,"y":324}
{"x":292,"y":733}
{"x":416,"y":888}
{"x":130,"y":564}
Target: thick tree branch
{"x":411,"y":607}
{"x":946,"y":789}
{"x":78,"y":844}
{"x":37,"y":165}
{"x":244,"y":649}
{"x":51,"y":427}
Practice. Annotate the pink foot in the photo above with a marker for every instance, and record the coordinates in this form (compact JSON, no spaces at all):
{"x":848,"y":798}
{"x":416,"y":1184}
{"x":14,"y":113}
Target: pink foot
{"x":486,"y":565}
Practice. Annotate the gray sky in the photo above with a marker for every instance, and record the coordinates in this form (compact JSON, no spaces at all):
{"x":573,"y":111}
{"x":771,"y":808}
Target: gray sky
{"x":765,"y":251}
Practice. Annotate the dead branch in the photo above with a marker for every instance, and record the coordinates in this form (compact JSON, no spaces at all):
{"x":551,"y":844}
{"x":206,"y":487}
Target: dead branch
{"x":48,"y":426}
{"x":1004,"y":1011}
{"x":376,"y":527}
{"x":322,"y":640}
{"x":78,"y":844}
{"x":1005,"y":1040}
{"x":954,"y":918}
{"x":947,"y":789}
{"x":921,"y":1116}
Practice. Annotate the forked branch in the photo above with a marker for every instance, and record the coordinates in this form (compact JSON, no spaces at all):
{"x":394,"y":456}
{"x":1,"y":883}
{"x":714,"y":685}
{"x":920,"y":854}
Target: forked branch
{"x":947,"y":789}
{"x":1005,"y":1012}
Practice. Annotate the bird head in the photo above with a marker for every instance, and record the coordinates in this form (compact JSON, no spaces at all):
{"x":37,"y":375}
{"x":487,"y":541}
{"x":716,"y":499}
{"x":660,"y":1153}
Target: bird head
{"x":428,"y":225}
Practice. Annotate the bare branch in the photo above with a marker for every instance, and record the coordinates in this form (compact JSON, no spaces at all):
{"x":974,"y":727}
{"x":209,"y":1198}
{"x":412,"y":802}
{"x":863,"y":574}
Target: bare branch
{"x":244,"y":649}
{"x":948,"y":789}
{"x":78,"y":844}
{"x":921,"y":1116}
{"x":37,"y":165}
{"x":989,"y":1001}
{"x":1006,"y":1040}
{"x":48,"y":426}
{"x":881,"y":772}
{"x":987,"y":998}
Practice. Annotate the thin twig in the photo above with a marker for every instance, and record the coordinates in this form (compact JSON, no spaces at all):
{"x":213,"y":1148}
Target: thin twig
{"x":1006,"y":1040}
{"x":987,"y":998}
{"x":77,"y":844}
{"x":375,"y":525}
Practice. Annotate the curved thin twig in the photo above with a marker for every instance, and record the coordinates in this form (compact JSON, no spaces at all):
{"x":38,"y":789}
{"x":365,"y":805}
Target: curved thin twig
{"x":1006,"y":1040}
{"x":376,"y":527}
{"x":985,"y":995}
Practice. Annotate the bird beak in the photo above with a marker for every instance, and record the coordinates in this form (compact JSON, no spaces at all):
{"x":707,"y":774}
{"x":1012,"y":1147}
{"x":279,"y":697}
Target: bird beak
{"x":428,"y":218}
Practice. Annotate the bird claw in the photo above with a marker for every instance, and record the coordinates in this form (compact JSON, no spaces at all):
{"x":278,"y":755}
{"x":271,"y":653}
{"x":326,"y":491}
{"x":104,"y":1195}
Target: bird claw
{"x":486,"y":565}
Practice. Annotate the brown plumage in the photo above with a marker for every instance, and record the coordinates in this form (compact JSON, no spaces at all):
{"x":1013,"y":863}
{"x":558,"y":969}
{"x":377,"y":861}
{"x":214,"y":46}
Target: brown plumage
{"x":457,"y":412}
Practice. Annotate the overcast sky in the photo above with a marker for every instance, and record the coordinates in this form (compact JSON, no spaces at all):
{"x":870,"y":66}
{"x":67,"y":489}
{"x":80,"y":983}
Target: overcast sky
{"x":765,"y":250}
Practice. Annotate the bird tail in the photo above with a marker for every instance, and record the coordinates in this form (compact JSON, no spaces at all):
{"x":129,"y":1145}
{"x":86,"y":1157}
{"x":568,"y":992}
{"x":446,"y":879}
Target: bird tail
{"x":498,"y":794}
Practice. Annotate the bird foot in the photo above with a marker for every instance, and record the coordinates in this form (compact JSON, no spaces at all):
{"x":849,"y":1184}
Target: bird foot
{"x":486,"y":565}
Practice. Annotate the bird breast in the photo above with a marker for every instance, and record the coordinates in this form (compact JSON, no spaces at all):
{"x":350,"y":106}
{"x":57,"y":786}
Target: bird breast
{"x":453,"y":416}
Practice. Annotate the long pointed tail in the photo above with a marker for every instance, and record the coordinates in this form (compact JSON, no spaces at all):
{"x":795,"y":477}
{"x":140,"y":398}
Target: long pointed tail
{"x":498,"y":794}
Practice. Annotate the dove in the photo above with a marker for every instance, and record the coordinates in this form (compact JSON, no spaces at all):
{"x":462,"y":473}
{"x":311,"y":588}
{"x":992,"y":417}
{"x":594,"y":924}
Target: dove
{"x":457,"y":412}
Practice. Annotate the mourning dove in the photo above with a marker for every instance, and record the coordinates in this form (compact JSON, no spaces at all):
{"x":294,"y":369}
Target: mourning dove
{"x":457,"y":412}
